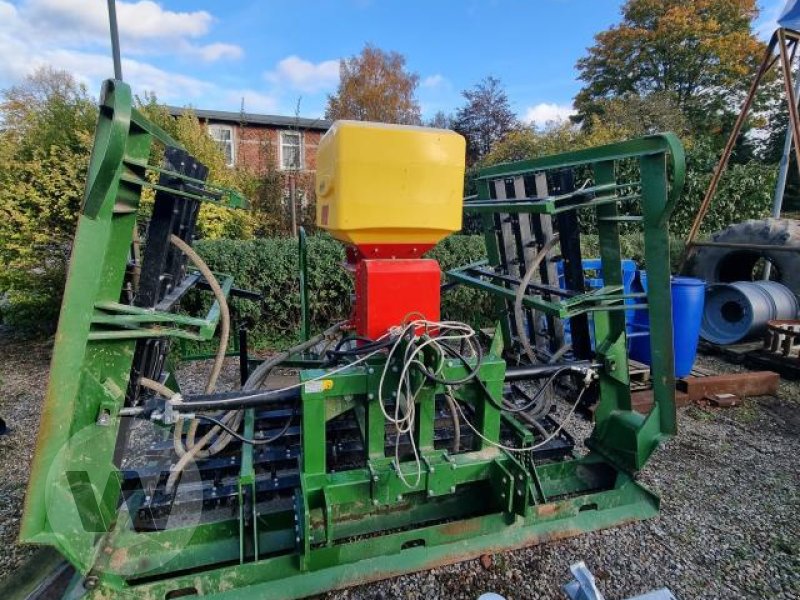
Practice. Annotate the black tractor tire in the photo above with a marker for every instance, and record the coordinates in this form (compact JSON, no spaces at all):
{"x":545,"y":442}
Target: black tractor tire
{"x":715,"y":264}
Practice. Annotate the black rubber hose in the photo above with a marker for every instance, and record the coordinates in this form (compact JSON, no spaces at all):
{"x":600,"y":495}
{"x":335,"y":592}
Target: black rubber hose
{"x":234,"y":400}
{"x":244,"y":440}
{"x":545,"y":370}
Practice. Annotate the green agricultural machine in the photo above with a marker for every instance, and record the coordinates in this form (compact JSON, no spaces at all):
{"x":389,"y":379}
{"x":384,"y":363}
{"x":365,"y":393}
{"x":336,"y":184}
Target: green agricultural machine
{"x":407,"y":441}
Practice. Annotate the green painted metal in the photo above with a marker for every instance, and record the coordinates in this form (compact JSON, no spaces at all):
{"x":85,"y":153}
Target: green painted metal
{"x":345,"y":526}
{"x":302,"y":245}
{"x":94,"y":344}
{"x":621,"y":435}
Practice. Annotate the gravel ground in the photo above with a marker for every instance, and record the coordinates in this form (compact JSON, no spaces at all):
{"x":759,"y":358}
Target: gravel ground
{"x":729,"y":483}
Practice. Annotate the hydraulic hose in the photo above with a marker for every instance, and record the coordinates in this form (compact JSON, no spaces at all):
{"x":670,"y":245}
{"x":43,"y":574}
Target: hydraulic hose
{"x":225,"y":326}
{"x":521,"y":288}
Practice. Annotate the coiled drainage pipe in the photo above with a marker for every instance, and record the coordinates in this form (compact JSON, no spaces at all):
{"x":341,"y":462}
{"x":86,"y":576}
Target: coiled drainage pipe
{"x":736,"y":311}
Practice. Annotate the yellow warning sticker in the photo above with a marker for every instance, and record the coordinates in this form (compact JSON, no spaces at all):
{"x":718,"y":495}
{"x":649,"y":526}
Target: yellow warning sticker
{"x":318,"y":385}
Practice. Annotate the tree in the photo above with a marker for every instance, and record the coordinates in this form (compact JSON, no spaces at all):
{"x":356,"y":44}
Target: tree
{"x":702,"y":52}
{"x":44,"y":154}
{"x":213,"y":221}
{"x":441,"y":120}
{"x":48,"y":108}
{"x":375,"y":86}
{"x":485,"y":118}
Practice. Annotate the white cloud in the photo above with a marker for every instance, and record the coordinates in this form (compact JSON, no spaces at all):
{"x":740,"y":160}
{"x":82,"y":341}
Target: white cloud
{"x":144,"y":28}
{"x":302,"y":75}
{"x":215,"y":52}
{"x":142,"y":20}
{"x":546,"y":112}
{"x":254,"y":101}
{"x":433,"y":81}
{"x":27,"y":44}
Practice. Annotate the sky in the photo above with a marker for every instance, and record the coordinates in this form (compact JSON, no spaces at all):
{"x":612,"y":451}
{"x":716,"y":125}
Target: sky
{"x":274,"y":54}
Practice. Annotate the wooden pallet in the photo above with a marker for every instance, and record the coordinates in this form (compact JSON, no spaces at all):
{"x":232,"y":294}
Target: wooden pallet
{"x":639,"y":374}
{"x":753,"y":355}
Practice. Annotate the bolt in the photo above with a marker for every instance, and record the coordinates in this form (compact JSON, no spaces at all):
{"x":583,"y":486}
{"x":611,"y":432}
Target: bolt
{"x":452,"y":489}
{"x":453,"y":466}
{"x":371,"y":371}
{"x":91,"y":582}
{"x":519,"y":492}
{"x":505,"y":480}
{"x":433,"y":469}
{"x":371,"y":396}
{"x":375,"y":502}
{"x":520,"y":477}
{"x":297,"y":539}
{"x":430,"y":493}
{"x":502,"y":494}
{"x":375,"y":478}
{"x":449,"y":363}
{"x":395,"y":369}
{"x":399,"y":497}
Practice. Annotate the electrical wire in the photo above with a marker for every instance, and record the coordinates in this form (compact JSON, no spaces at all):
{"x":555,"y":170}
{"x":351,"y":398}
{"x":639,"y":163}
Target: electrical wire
{"x":526,"y":448}
{"x":404,"y":416}
{"x":451,"y":405}
{"x":527,"y":406}
{"x":244,"y":440}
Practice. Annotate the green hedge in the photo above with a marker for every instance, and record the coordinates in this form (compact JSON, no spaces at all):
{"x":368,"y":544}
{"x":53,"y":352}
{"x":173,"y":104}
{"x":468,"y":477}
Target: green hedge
{"x":270,"y":266}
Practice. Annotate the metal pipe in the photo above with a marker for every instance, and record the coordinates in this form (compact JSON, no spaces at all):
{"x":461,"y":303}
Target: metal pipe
{"x":115,"y":54}
{"x":540,"y":371}
{"x":783,"y":170}
{"x":726,"y":153}
{"x":234,"y":400}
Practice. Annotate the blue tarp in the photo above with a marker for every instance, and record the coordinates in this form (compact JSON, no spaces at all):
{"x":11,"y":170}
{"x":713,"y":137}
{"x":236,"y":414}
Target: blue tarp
{"x":790,"y":17}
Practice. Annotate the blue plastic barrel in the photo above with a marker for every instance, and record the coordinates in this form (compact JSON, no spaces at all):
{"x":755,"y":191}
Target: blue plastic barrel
{"x":688,"y":297}
{"x":593,"y":279}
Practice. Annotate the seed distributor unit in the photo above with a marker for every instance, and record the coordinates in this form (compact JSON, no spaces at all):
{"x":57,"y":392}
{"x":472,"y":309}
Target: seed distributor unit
{"x":408,"y":440}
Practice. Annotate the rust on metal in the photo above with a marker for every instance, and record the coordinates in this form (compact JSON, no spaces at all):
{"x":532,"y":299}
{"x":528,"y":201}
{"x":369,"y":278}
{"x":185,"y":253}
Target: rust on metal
{"x":750,"y":383}
{"x":783,"y":337}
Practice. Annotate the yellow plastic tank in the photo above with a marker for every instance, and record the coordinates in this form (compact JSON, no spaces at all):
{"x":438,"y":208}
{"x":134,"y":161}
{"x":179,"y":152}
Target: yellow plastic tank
{"x":389,"y":184}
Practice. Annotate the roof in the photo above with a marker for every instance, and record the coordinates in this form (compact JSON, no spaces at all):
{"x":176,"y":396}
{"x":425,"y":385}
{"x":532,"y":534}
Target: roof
{"x":253,"y":119}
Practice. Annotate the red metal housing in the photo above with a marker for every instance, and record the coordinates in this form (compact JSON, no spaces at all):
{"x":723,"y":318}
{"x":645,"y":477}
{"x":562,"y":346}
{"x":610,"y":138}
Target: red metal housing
{"x":389,"y":291}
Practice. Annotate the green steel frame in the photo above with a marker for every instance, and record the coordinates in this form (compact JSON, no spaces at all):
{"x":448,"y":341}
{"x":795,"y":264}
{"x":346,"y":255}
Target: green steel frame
{"x":622,"y":435}
{"x":343,"y":527}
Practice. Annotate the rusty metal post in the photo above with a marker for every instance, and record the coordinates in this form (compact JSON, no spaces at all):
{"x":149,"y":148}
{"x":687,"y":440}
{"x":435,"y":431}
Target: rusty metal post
{"x":726,"y":153}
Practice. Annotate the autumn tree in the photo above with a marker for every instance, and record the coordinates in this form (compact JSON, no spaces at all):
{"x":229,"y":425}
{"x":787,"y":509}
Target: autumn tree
{"x":485,"y":118}
{"x":700,"y":52}
{"x":375,"y":86}
{"x":44,"y":153}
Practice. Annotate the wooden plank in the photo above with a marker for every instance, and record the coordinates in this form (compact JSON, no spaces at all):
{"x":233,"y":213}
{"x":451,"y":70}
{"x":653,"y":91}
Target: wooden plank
{"x":642,"y":401}
{"x":751,"y":383}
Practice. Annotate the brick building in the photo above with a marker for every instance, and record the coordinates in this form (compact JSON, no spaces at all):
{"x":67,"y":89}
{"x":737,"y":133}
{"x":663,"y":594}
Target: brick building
{"x":270,"y":143}
{"x":254,"y":141}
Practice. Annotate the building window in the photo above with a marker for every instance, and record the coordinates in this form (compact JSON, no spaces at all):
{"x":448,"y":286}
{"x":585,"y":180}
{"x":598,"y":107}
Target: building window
{"x":223,"y":135}
{"x":291,"y":150}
